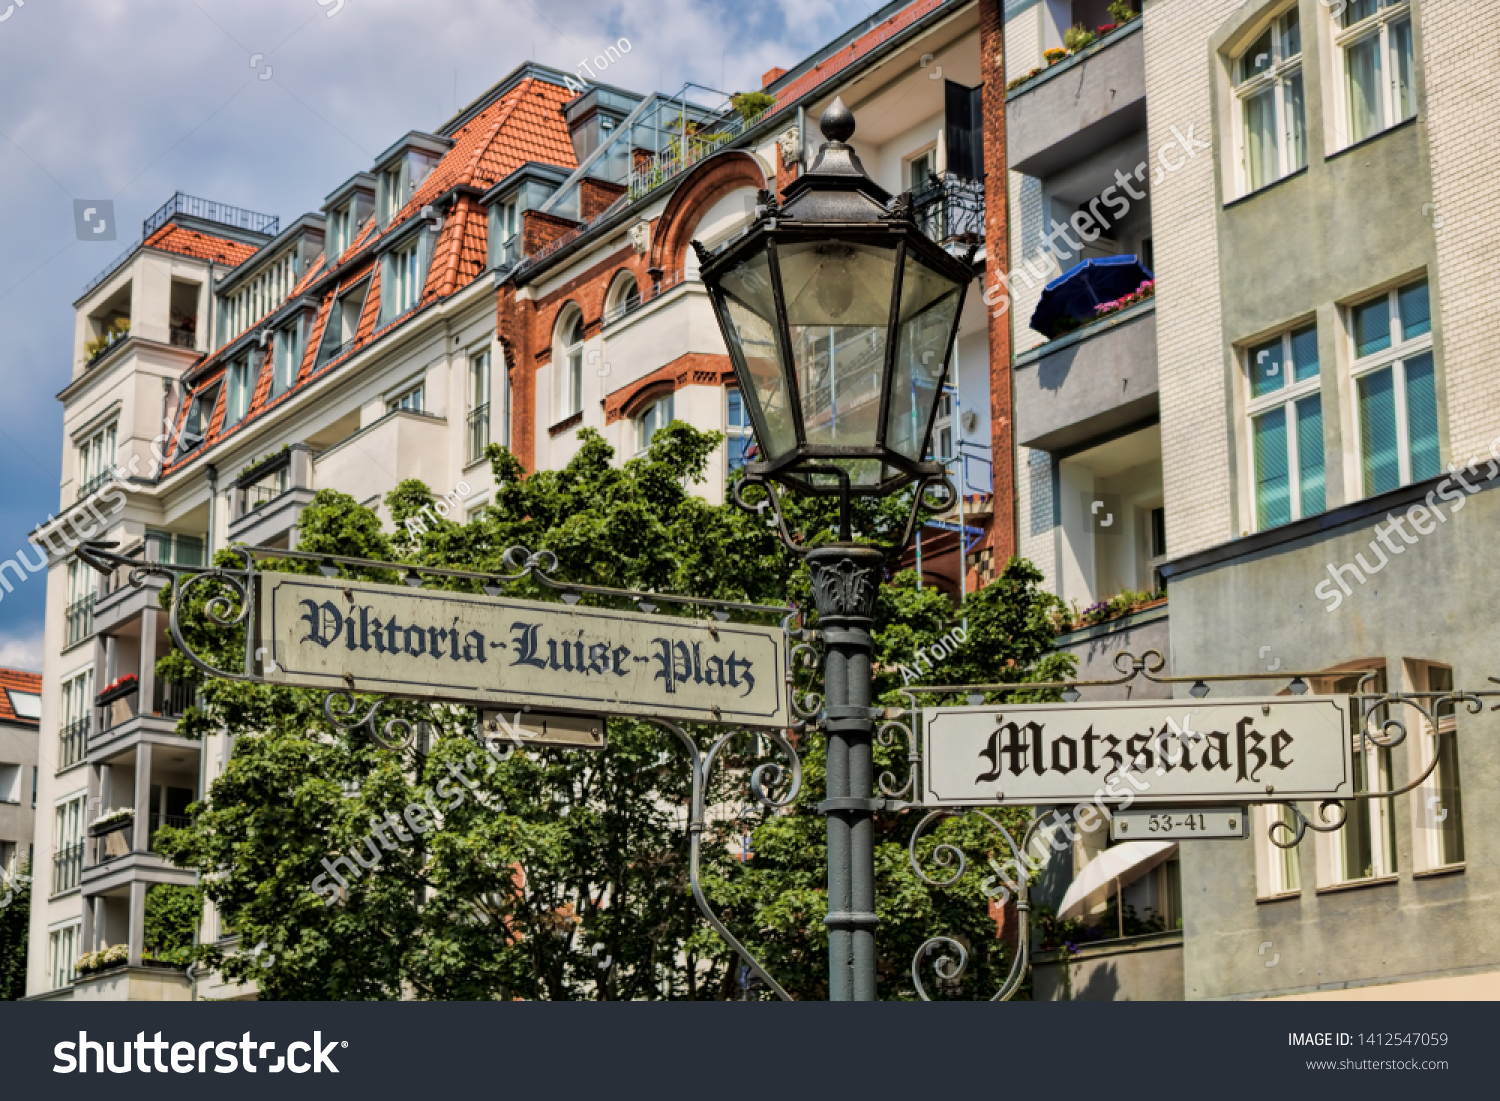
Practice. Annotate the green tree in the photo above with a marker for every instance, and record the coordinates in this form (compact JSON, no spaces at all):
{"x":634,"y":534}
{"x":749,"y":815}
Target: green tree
{"x":15,"y":914}
{"x":551,"y":873}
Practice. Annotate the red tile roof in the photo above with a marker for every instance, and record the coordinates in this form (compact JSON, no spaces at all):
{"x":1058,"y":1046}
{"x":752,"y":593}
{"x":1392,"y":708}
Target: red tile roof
{"x":17,"y":681}
{"x":526,"y":125}
{"x":860,"y":47}
{"x":173,"y":238}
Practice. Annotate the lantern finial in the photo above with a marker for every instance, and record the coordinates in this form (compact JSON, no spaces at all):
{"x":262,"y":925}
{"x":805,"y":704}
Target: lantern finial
{"x":837,"y":123}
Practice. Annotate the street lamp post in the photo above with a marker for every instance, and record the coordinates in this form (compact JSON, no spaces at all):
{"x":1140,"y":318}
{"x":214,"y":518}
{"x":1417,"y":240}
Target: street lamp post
{"x":840,"y":317}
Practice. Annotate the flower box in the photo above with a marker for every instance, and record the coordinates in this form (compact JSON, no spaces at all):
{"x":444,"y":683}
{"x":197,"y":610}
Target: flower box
{"x":111,"y":820}
{"x":127,"y":685}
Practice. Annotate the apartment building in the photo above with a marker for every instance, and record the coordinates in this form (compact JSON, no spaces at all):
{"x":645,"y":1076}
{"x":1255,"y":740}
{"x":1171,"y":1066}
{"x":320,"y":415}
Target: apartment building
{"x":224,"y":369}
{"x":1325,"y":451}
{"x":20,"y":720}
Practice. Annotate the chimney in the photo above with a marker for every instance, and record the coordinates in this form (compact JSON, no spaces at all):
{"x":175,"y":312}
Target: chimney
{"x":771,"y":76}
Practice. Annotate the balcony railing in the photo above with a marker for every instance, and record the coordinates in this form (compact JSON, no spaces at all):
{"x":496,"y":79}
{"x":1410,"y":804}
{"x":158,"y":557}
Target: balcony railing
{"x":67,"y":868}
{"x":184,"y":338}
{"x":184,"y":550}
{"x":479,"y":431}
{"x":95,"y":482}
{"x":72,"y":743}
{"x":78,"y":620}
{"x":171,"y":821}
{"x":679,"y":156}
{"x":262,"y":494}
{"x":950,"y":208}
{"x":625,"y":309}
{"x":171,"y":699}
{"x":211,"y":211}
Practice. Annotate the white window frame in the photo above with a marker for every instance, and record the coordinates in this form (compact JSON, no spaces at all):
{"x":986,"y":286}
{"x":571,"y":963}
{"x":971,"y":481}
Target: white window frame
{"x":569,"y":358}
{"x":411,"y":399}
{"x":481,"y":395}
{"x":945,"y":421}
{"x":1277,"y":79}
{"x":1343,"y":38}
{"x":286,"y":358}
{"x":76,"y":704}
{"x":402,"y":278}
{"x":619,"y":291}
{"x":643,"y":435}
{"x":1427,"y":844}
{"x":1288,"y":396}
{"x":63,"y":950}
{"x":1396,"y":357}
{"x":239,"y":389}
{"x":735,"y":435}
{"x":1380,"y":812}
{"x":96,"y":457}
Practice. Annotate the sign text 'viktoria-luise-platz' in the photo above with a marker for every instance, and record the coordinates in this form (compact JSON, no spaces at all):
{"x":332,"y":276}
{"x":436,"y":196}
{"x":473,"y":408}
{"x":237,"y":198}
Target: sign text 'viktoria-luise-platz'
{"x":1166,"y":750}
{"x":498,"y":652}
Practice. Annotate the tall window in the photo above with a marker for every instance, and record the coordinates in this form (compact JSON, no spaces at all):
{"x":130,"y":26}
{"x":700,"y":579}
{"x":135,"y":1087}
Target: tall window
{"x":1441,"y":813}
{"x":652,"y":419}
{"x":412,"y":401}
{"x":62,"y":954}
{"x":343,"y":321}
{"x":479,"y":404}
{"x":96,"y":460}
{"x":340,"y":231}
{"x":403,"y":283}
{"x":239,"y":388}
{"x":1285,"y":868}
{"x":77,"y":711}
{"x":941,"y":448}
{"x":1365,"y":848}
{"x":1273,"y":117}
{"x":1286,"y":428}
{"x":573,"y":366}
{"x":199,"y":416}
{"x":505,"y":223}
{"x":1396,"y":389}
{"x":738,"y":431}
{"x":67,"y":844}
{"x":287,"y":358}
{"x":79,"y":616}
{"x":1376,"y":51}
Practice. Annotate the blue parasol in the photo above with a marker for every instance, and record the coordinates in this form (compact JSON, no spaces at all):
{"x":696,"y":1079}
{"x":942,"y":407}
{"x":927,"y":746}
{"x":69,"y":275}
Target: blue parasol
{"x":1069,"y":300}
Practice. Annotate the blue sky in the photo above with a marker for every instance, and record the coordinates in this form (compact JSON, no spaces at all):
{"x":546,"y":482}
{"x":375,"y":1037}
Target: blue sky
{"x":267,"y":106}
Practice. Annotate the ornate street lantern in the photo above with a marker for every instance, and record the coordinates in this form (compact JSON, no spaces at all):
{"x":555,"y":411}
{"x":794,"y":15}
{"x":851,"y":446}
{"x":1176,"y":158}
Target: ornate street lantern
{"x":840,"y":316}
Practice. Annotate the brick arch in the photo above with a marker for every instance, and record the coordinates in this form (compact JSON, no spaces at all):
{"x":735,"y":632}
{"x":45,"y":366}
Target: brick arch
{"x":703,"y":186}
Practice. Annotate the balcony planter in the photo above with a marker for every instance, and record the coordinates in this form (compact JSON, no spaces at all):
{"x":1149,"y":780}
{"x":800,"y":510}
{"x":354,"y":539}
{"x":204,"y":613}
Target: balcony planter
{"x":127,"y":685}
{"x":106,"y":959}
{"x":111,"y":820}
{"x":1126,"y":604}
{"x":1057,"y":55}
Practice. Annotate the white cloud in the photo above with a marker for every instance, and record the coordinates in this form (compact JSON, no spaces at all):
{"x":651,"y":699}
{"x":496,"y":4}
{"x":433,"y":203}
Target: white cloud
{"x":22,"y":652}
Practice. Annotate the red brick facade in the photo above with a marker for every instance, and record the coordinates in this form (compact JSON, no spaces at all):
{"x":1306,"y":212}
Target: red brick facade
{"x":596,"y":196}
{"x":1002,"y":540}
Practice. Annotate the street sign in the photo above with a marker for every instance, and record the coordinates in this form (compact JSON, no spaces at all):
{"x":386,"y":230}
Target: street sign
{"x":498,"y":653}
{"x":1179,"y":824}
{"x":544,"y":729}
{"x":1140,"y":751}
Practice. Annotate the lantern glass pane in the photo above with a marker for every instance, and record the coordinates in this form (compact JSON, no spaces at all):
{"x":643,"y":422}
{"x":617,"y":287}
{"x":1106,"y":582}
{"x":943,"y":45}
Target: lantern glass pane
{"x":929,"y":308}
{"x":838,"y":303}
{"x":750,"y":313}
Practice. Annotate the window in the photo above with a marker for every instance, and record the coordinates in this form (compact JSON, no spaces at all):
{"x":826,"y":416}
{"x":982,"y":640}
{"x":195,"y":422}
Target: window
{"x":652,"y":420}
{"x":1365,"y":848}
{"x":505,"y":224}
{"x":1440,"y":810}
{"x":1396,"y":389}
{"x":340,"y":231}
{"x":572,"y":366}
{"x":1280,"y":869}
{"x":67,"y":844}
{"x":343,"y":322}
{"x":77,"y":710}
{"x":400,"y":181}
{"x":941,"y":446}
{"x":1286,"y":428}
{"x":10,"y":783}
{"x":624,"y":298}
{"x":738,"y":431}
{"x":96,"y":460}
{"x":403,"y":281}
{"x":26,"y":705}
{"x":79,"y":616}
{"x":240,"y":386}
{"x":199,"y":417}
{"x":1272,"y":114}
{"x":62,"y":954}
{"x":287,"y":358}
{"x":479,"y":404}
{"x":412,"y":401}
{"x":920,"y":172}
{"x":1375,"y":48}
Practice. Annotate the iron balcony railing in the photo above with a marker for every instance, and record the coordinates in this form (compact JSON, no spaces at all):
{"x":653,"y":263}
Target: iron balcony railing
{"x":78,"y":620}
{"x":97,"y":481}
{"x":184,"y":338}
{"x":479,"y":431}
{"x":72,"y":743}
{"x":211,"y":211}
{"x":114,"y":266}
{"x":170,"y":699}
{"x":170,"y":821}
{"x":950,"y":208}
{"x":67,"y":868}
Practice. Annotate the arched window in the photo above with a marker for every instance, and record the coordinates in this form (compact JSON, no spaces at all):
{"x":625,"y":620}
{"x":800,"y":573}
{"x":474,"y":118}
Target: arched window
{"x":572,"y":354}
{"x":624,"y":298}
{"x":651,"y":420}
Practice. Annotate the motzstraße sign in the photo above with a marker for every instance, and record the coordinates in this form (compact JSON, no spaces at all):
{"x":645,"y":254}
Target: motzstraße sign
{"x":1150,"y":751}
{"x":499,"y":653}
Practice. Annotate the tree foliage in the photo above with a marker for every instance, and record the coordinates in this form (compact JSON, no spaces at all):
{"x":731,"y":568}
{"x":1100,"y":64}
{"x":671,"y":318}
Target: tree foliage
{"x":552,"y":873}
{"x":15,"y":913}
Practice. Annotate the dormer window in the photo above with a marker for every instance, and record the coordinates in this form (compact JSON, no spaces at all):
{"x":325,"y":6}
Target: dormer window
{"x":401,"y":280}
{"x":286,"y":358}
{"x":400,"y":180}
{"x":200,"y":415}
{"x":240,"y":388}
{"x":340,"y":231}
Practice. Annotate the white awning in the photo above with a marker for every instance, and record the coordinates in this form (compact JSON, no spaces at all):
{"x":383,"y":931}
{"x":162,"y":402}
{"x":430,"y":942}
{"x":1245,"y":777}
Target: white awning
{"x":1124,"y":863}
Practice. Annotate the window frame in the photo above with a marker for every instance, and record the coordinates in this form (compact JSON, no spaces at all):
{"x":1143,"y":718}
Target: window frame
{"x":650,"y":409}
{"x":570,"y":357}
{"x":1276,"y":78}
{"x":1288,"y":398}
{"x":1387,"y":14}
{"x":1427,"y":800}
{"x":93,"y":469}
{"x":481,"y":402}
{"x":1399,"y":355}
{"x":397,"y":403}
{"x":238,"y":370}
{"x":286,"y":354}
{"x":64,"y":947}
{"x":1377,"y":761}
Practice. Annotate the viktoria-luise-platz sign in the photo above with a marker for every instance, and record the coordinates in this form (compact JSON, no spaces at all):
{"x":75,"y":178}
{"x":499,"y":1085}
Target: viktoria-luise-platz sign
{"x":427,"y":644}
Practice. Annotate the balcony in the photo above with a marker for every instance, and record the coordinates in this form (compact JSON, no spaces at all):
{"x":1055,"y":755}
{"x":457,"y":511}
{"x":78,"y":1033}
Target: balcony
{"x":1080,"y":106}
{"x":124,"y":724}
{"x":1095,"y":647}
{"x":950,"y":210}
{"x":1091,"y":383}
{"x":269,"y":496}
{"x":1145,"y":968}
{"x":414,"y":443}
{"x":119,"y":602}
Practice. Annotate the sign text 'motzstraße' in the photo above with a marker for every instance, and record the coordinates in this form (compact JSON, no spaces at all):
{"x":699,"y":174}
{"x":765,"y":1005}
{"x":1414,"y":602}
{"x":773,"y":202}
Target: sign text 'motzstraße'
{"x":496,"y":652}
{"x":1153,"y":751}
